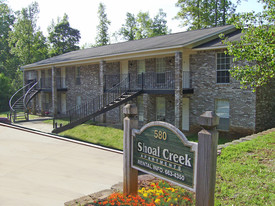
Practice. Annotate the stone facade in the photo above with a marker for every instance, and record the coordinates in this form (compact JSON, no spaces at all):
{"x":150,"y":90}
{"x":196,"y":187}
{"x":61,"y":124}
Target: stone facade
{"x":206,"y":90}
{"x":265,"y":107}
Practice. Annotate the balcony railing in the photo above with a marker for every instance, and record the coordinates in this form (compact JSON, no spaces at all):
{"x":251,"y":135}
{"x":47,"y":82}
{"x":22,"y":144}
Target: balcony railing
{"x":46,"y":83}
{"x":149,"y":80}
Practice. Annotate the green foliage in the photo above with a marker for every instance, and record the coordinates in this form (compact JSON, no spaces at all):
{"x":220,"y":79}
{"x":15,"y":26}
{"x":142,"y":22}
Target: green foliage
{"x":102,"y":37}
{"x":8,"y":63}
{"x":256,"y":48}
{"x":199,"y":14}
{"x":5,"y":92}
{"x":25,"y":40}
{"x":143,"y":26}
{"x":62,"y":37}
{"x":129,"y":29}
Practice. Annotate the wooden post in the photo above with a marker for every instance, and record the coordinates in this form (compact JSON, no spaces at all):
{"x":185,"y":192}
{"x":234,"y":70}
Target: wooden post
{"x":207,"y":159}
{"x":130,"y":175}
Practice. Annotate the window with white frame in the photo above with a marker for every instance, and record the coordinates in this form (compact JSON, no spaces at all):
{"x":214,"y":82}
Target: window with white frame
{"x":160,"y":109}
{"x":222,"y":110}
{"x":160,"y":69}
{"x":140,"y":108}
{"x":223,"y":66}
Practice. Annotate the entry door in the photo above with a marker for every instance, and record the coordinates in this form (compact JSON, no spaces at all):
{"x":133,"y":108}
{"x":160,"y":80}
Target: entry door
{"x":124,"y":69}
{"x":185,"y":114}
{"x":63,"y":103}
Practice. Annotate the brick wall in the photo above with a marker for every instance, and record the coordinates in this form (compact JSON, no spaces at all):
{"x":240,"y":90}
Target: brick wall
{"x":265,"y":105}
{"x":206,"y":90}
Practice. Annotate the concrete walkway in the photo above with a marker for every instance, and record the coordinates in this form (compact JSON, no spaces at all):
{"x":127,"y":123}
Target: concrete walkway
{"x":36,"y":124}
{"x":39,"y":170}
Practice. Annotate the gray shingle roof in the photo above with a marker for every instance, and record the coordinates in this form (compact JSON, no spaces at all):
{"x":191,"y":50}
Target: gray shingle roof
{"x":216,"y":43}
{"x":175,"y":40}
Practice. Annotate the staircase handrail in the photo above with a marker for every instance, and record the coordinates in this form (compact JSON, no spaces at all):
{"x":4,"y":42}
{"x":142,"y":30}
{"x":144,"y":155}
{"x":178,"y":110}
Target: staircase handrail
{"x":98,"y":96}
{"x":10,"y":102}
{"x":25,"y":96}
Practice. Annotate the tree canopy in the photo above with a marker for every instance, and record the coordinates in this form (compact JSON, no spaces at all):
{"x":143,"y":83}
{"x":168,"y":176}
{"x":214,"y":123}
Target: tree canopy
{"x":102,"y":37}
{"x":26,"y":40}
{"x":62,"y":37}
{"x":199,"y":14}
{"x":256,"y":48}
{"x":143,"y":26}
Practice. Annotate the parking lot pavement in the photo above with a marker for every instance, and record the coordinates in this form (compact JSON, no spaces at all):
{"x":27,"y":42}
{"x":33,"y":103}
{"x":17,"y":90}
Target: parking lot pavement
{"x":38,"y":170}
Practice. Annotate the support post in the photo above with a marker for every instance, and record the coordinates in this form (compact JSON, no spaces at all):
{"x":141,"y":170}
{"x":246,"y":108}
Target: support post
{"x":102,"y":69}
{"x":178,"y":90}
{"x":130,"y":175}
{"x":54,"y":92}
{"x":207,"y":159}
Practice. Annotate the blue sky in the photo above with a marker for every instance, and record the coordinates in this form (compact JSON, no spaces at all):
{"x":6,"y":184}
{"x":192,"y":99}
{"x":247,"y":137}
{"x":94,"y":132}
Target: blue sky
{"x":83,"y":13}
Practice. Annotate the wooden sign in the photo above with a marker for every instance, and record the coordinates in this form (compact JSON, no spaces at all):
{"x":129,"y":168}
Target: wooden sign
{"x":162,"y":150}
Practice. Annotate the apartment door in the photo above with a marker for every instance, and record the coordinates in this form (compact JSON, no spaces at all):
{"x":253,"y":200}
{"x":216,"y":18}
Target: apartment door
{"x":185,"y":114}
{"x":124,"y":68}
{"x":63,"y":103}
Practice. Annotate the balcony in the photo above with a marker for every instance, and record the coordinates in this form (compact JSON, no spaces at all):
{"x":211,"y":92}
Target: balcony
{"x":150,"y":82}
{"x":45,"y":84}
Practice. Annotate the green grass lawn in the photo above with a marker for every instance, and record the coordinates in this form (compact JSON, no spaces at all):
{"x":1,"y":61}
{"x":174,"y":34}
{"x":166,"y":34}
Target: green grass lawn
{"x":105,"y":136}
{"x":31,"y":117}
{"x":245,"y":173}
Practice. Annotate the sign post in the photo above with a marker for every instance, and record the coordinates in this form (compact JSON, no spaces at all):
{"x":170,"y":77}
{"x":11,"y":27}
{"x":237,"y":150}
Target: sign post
{"x":130,"y":175}
{"x":207,"y":159}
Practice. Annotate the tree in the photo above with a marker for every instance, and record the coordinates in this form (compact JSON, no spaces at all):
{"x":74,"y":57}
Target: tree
{"x":159,"y":26}
{"x":62,"y":37}
{"x":199,"y":14}
{"x":5,"y":92}
{"x":143,"y":26}
{"x":129,"y":29}
{"x":256,"y":47}
{"x":6,"y":58}
{"x":26,"y":40}
{"x":102,"y":37}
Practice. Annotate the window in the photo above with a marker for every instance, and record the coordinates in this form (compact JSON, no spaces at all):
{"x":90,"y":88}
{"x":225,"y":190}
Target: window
{"x":223,"y":66}
{"x":140,"y":108}
{"x":222,"y":110}
{"x":77,"y":76}
{"x":160,"y":109}
{"x":140,"y":69}
{"x":160,"y":70}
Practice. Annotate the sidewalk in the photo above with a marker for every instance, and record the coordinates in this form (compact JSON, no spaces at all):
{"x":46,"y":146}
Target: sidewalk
{"x":37,"y":124}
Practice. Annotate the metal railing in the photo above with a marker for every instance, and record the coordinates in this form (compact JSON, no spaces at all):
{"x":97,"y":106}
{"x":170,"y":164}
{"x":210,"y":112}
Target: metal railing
{"x":29,"y":94}
{"x":149,"y":80}
{"x":96,"y":104}
{"x":19,"y":95}
{"x":46,"y":83}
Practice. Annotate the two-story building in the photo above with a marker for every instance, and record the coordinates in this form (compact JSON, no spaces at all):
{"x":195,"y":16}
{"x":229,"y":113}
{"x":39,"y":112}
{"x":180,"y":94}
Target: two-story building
{"x":172,"y":78}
